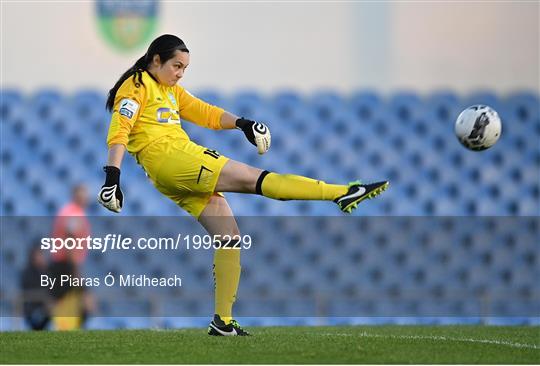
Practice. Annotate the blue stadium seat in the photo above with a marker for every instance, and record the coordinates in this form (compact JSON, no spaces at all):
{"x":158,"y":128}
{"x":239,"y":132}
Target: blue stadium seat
{"x":326,"y":103}
{"x":287,"y":103}
{"x":48,"y":105}
{"x":405,"y":105}
{"x":443,"y":106}
{"x":523,"y":106}
{"x":12,"y":106}
{"x":87,"y":104}
{"x":213,"y":97}
{"x":365,"y":104}
{"x":407,"y":138}
{"x":248,"y":103}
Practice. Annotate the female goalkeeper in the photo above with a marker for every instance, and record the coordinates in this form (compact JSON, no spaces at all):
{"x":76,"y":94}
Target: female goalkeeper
{"x":147,"y":106}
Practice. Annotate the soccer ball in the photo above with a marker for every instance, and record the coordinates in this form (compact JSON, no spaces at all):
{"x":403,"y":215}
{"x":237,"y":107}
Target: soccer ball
{"x":478,"y":127}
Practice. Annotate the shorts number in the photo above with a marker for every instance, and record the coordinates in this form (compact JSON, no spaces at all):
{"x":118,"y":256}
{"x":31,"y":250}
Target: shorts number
{"x":212,"y":153}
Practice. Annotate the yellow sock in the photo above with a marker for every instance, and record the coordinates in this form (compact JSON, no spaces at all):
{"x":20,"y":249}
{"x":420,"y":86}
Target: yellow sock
{"x":296,"y":187}
{"x":226,"y":319}
{"x":67,"y":311}
{"x":226,"y":279}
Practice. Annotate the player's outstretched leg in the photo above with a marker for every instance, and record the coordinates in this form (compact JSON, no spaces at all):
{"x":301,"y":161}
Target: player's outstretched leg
{"x":242,"y":178}
{"x":288,"y":186}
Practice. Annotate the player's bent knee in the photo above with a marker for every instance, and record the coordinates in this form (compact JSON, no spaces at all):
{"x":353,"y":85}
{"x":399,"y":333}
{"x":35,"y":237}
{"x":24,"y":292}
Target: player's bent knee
{"x":218,"y":218}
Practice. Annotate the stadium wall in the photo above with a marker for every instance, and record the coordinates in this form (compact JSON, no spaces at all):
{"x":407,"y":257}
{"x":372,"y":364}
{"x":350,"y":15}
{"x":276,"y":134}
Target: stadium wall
{"x":266,"y":46}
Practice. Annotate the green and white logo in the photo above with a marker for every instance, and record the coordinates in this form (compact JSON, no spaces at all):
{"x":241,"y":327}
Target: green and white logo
{"x":127,"y":24}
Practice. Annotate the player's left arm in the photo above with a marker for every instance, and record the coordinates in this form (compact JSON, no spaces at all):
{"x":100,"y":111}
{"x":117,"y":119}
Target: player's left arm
{"x":207,"y":115}
{"x":197,"y":111}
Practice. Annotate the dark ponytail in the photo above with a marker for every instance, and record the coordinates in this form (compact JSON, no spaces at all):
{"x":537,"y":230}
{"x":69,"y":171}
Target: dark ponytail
{"x":165,"y":46}
{"x":135,"y":70}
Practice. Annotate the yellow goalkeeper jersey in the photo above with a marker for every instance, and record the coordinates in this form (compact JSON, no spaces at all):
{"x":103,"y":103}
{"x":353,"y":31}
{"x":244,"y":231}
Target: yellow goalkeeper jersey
{"x":145,"y":113}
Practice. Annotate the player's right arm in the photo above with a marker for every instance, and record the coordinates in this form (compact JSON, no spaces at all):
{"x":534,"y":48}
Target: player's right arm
{"x":129,"y":102}
{"x":110,"y":195}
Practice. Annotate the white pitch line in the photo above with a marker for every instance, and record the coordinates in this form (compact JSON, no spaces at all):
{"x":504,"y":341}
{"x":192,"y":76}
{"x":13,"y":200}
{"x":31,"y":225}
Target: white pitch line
{"x":441,"y":338}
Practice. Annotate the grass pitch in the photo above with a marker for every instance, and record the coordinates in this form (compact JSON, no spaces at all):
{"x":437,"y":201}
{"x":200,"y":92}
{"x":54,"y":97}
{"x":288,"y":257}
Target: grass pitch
{"x":301,"y":345}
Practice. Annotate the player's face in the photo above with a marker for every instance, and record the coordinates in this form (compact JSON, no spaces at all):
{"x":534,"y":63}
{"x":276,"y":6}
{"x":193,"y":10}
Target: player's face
{"x":171,"y":71}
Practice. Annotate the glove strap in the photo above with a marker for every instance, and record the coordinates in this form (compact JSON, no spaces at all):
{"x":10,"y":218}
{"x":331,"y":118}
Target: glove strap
{"x":242,"y":123}
{"x":245,"y":125}
{"x":113,"y":175}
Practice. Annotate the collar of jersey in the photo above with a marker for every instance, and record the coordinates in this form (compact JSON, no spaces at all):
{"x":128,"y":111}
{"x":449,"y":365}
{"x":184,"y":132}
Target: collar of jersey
{"x":152,"y":76}
{"x":157,"y":82}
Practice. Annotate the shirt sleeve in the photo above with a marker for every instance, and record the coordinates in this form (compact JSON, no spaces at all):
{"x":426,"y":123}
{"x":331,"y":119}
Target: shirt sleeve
{"x":198,"y":111}
{"x":128,"y":105}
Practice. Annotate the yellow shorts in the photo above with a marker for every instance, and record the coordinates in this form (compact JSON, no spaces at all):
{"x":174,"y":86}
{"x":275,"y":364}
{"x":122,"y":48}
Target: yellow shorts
{"x":185,"y":172}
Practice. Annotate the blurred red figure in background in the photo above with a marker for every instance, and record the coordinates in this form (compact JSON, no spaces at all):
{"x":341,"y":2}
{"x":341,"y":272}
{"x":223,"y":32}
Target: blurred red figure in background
{"x":71,"y":222}
{"x":72,"y":304}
